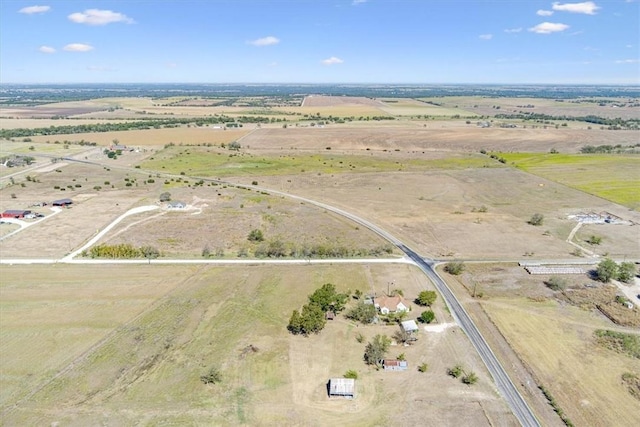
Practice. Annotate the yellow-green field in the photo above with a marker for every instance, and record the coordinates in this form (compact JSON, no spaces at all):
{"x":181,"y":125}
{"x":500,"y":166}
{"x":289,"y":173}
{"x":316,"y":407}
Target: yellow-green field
{"x":610,"y":176}
{"x":203,"y":161}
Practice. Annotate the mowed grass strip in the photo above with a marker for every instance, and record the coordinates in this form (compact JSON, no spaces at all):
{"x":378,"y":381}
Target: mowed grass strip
{"x":200,"y":161}
{"x":612,"y":177}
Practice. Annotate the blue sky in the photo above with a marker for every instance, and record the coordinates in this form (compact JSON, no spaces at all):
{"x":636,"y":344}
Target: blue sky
{"x":320,"y":41}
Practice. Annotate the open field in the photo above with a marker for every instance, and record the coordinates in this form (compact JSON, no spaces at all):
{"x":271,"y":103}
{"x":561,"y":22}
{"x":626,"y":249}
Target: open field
{"x":612,"y":177}
{"x":144,"y":366}
{"x":154,"y":137}
{"x":142,"y":335}
{"x":602,"y":107}
{"x":558,"y":344}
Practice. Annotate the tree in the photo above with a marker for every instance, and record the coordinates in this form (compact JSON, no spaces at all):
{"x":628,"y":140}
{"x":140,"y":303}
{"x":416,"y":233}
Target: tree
{"x":456,"y":371}
{"x":427,"y":316}
{"x":295,"y":323}
{"x":454,"y":267}
{"x":626,"y":271}
{"x":423,"y":367}
{"x":211,"y":377}
{"x":149,"y":252}
{"x":165,"y":197}
{"x":255,"y":235}
{"x":594,"y":240}
{"x":426,"y":298}
{"x":401,"y":336}
{"x":607,"y":269}
{"x":351,"y":374}
{"x":327,"y":298}
{"x":470,"y":378}
{"x":312,"y":319}
{"x":363,"y":313}
{"x":376,"y":349}
{"x":536,"y":219}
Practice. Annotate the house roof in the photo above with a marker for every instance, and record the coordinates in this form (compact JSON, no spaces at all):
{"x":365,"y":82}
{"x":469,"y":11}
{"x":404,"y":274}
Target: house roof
{"x":410,"y":325}
{"x":62,"y":202}
{"x":394,"y":362}
{"x":389,"y":302}
{"x":342,"y":386}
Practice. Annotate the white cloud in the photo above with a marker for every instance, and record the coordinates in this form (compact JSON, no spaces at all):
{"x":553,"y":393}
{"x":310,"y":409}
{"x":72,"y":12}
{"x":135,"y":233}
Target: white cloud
{"x":265,"y":41}
{"x":171,"y":65}
{"x":628,"y":61}
{"x":587,"y":7}
{"x":46,"y":49}
{"x":78,"y":47}
{"x":486,"y":36}
{"x":513,"y":30}
{"x":548,"y":28}
{"x":357,"y":2}
{"x":29,"y":10}
{"x":542,"y":12}
{"x":99,"y":17}
{"x":98,"y":68}
{"x":332,"y":61}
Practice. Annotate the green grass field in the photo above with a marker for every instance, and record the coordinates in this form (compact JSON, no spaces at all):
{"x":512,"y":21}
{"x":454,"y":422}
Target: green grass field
{"x":201,"y":161}
{"x":612,"y":177}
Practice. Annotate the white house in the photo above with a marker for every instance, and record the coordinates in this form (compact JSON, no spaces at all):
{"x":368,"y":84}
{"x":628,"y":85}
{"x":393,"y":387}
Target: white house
{"x":394,"y":304}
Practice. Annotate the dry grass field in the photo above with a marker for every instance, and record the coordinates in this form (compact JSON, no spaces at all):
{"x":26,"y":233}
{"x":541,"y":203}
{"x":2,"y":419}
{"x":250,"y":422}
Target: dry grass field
{"x":129,"y":343}
{"x":134,"y":342}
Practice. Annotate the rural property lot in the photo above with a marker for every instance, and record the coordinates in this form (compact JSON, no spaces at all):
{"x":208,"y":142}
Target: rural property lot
{"x":143,"y":364}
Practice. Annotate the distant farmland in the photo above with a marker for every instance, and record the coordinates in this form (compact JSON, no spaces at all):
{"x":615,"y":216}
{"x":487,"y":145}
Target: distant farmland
{"x":612,"y":177}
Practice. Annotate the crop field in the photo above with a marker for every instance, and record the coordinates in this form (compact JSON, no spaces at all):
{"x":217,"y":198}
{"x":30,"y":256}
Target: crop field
{"x":412,"y":107}
{"x":612,"y":177}
{"x":175,"y":323}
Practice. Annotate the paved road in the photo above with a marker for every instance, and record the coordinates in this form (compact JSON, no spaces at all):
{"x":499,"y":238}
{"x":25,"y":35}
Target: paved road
{"x":507,"y":389}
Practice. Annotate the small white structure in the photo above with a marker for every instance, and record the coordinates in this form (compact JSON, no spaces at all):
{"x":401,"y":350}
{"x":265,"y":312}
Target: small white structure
{"x":176,"y":205}
{"x":410,"y":326}
{"x":394,"y":365}
{"x":342,"y":387}
{"x":394,"y":304}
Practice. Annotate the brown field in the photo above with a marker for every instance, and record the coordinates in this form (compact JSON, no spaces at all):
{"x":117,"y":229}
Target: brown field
{"x":182,"y":320}
{"x":131,"y":351}
{"x":155,"y":137}
{"x":571,"y":108}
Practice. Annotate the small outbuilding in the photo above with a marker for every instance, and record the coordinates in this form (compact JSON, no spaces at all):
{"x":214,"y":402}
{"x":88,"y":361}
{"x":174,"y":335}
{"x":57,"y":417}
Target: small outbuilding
{"x":410,"y":326}
{"x":15,"y":213}
{"x":177,"y":205}
{"x":62,"y":202}
{"x":394,"y":365}
{"x":342,"y":387}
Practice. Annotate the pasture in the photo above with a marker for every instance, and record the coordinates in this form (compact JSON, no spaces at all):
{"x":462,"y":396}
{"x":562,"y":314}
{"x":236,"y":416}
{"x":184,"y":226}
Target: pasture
{"x":174,"y":323}
{"x":610,"y":176}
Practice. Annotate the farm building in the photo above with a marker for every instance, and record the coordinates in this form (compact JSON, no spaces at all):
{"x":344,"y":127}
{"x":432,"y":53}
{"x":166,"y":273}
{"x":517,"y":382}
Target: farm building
{"x":342,"y":387}
{"x":394,"y":365}
{"x":386,"y":304}
{"x":62,"y":202}
{"x":410,"y":326}
{"x":15,"y":213}
{"x":177,"y":205}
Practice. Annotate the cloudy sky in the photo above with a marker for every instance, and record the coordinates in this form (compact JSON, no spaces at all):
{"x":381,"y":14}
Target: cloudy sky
{"x":320,"y":41}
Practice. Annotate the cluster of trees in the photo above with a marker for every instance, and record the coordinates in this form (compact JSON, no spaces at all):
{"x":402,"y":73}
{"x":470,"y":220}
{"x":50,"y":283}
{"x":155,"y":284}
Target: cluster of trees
{"x":619,"y":148}
{"x":466,"y":377}
{"x":122,"y":250}
{"x":311,"y":319}
{"x":362,"y":312}
{"x":376,"y":349}
{"x":608,"y":270}
{"x":615,"y":123}
{"x":129,"y":125}
{"x":278,"y":249}
{"x":454,"y":267}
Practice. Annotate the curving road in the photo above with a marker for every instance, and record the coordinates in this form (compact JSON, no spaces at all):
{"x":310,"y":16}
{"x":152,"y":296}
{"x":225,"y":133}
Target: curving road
{"x":505,"y":386}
